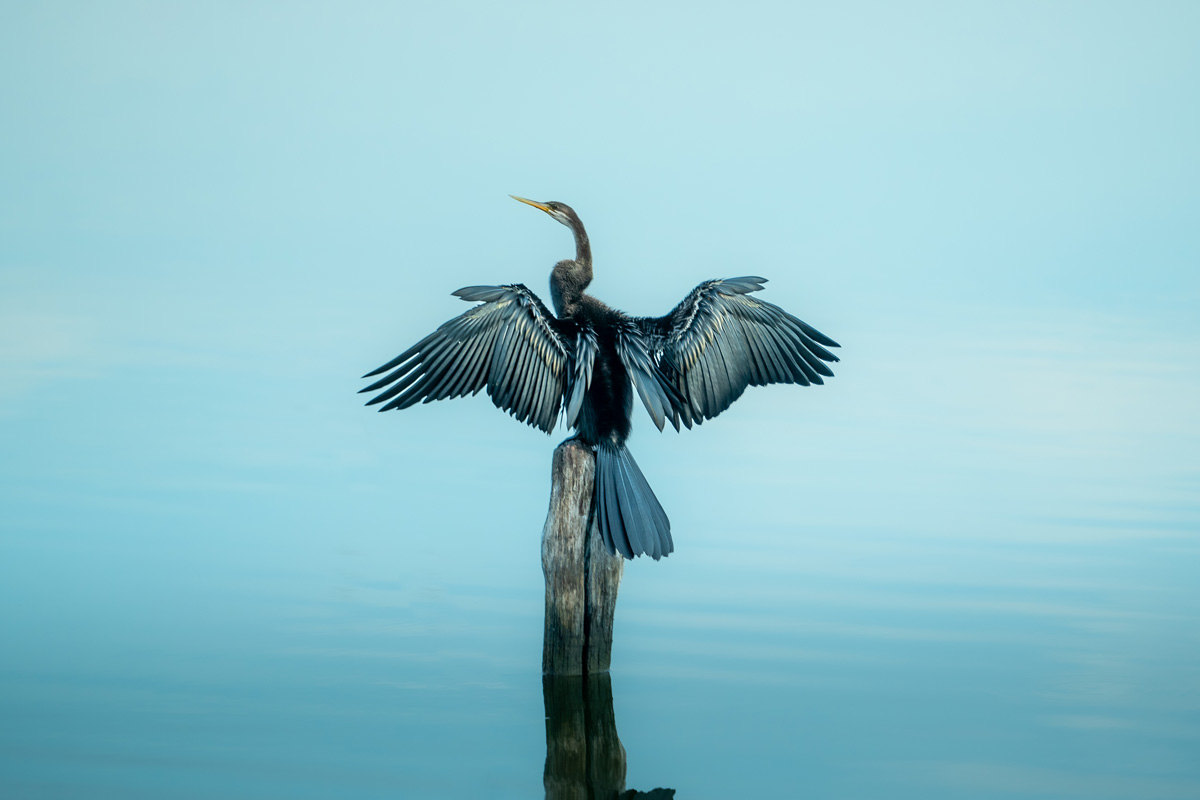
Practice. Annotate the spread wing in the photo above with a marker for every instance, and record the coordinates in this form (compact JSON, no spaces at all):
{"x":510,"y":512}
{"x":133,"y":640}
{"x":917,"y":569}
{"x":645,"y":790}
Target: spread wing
{"x":510,"y":344}
{"x":720,"y":340}
{"x":656,"y":389}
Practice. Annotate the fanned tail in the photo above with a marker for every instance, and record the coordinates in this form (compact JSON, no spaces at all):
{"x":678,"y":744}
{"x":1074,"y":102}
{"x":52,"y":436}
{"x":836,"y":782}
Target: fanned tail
{"x":631,"y":520}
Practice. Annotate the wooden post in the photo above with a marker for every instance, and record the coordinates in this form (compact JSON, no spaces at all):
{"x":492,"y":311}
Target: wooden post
{"x":582,"y":577}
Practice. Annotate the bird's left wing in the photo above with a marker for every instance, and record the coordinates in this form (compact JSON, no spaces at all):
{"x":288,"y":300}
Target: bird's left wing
{"x":720,"y":340}
{"x":656,"y":389}
{"x":510,"y":344}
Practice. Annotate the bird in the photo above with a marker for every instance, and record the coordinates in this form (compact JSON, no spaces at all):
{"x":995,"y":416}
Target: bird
{"x":586,"y":361}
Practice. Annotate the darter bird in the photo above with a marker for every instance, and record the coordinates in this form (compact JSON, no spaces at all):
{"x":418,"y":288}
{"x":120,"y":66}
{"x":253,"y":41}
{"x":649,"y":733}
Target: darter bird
{"x":587,"y":360}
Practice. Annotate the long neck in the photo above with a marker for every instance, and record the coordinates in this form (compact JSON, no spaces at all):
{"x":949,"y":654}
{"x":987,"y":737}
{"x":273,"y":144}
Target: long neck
{"x":583,"y":248}
{"x":570,"y":278}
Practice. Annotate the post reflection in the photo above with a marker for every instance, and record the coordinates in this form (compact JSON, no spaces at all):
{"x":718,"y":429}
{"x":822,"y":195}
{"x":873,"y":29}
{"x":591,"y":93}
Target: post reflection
{"x":584,"y":756}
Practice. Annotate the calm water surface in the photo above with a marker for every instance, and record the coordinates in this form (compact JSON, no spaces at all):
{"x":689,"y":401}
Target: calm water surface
{"x":1072,"y":674}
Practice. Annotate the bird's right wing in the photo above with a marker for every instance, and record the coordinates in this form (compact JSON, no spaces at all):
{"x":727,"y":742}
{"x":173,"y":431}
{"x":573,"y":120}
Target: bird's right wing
{"x":720,"y":340}
{"x":510,"y":344}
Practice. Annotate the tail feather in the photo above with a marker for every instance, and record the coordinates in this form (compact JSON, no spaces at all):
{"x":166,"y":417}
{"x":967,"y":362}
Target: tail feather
{"x":608,"y":517}
{"x":636,"y":527}
{"x":631,"y":520}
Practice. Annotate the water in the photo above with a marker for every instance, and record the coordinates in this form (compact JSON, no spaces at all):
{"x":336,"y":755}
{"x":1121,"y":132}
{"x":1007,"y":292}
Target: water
{"x":760,"y":681}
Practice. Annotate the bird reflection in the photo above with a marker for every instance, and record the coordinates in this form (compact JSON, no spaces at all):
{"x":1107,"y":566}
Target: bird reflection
{"x":584,"y":756}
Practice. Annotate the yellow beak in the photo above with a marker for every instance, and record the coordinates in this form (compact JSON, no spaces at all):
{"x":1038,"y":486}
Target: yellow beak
{"x":542,"y":206}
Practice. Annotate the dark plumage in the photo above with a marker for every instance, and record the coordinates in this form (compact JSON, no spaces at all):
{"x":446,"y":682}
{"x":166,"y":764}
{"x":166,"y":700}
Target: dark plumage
{"x":588,"y":361}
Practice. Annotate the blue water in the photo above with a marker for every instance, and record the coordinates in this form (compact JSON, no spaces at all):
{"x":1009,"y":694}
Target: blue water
{"x":1064,"y":678}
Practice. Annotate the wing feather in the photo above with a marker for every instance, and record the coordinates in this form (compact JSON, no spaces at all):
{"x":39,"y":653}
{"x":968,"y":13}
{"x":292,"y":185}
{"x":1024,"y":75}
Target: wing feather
{"x":720,"y":340}
{"x":518,"y":375}
{"x":586,"y":348}
{"x":509,"y":344}
{"x":644,"y":372}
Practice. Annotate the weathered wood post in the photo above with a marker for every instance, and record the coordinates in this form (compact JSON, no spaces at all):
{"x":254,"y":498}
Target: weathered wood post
{"x":582,"y":577}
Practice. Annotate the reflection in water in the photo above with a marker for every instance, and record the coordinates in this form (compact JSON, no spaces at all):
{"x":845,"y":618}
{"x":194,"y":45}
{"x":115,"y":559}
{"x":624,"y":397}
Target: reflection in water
{"x":584,"y":756}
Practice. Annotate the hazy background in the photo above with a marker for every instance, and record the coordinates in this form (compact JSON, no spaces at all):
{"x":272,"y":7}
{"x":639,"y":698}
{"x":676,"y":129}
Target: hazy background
{"x":967,"y":566}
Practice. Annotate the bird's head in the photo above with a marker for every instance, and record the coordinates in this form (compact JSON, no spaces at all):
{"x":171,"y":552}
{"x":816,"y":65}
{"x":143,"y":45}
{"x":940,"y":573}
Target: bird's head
{"x":559,"y":211}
